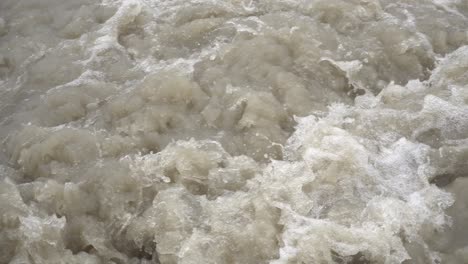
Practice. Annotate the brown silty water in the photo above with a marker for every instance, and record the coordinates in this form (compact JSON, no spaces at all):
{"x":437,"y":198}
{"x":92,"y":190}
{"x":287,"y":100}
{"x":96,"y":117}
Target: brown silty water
{"x":254,"y":131}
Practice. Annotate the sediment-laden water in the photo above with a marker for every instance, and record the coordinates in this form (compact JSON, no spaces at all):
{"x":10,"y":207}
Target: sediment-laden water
{"x":234,"y":131}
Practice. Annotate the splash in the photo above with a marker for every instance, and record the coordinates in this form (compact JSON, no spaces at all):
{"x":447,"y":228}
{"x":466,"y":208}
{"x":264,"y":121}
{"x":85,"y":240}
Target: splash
{"x":241,"y":131}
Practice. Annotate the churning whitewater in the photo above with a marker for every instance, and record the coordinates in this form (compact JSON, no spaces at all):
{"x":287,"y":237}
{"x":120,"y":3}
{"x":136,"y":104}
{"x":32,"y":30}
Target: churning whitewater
{"x":234,"y":131}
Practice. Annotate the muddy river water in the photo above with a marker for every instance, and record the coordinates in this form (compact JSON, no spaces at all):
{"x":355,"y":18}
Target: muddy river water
{"x":234,"y":131}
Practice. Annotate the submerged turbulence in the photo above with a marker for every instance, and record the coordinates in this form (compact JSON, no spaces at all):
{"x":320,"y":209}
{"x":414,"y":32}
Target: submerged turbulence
{"x":234,"y":131}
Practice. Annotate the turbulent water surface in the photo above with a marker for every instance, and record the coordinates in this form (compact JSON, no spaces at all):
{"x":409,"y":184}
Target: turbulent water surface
{"x":234,"y":131}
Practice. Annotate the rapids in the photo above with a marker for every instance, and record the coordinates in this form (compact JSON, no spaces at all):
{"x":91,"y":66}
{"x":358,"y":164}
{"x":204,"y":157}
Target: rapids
{"x":234,"y":131}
